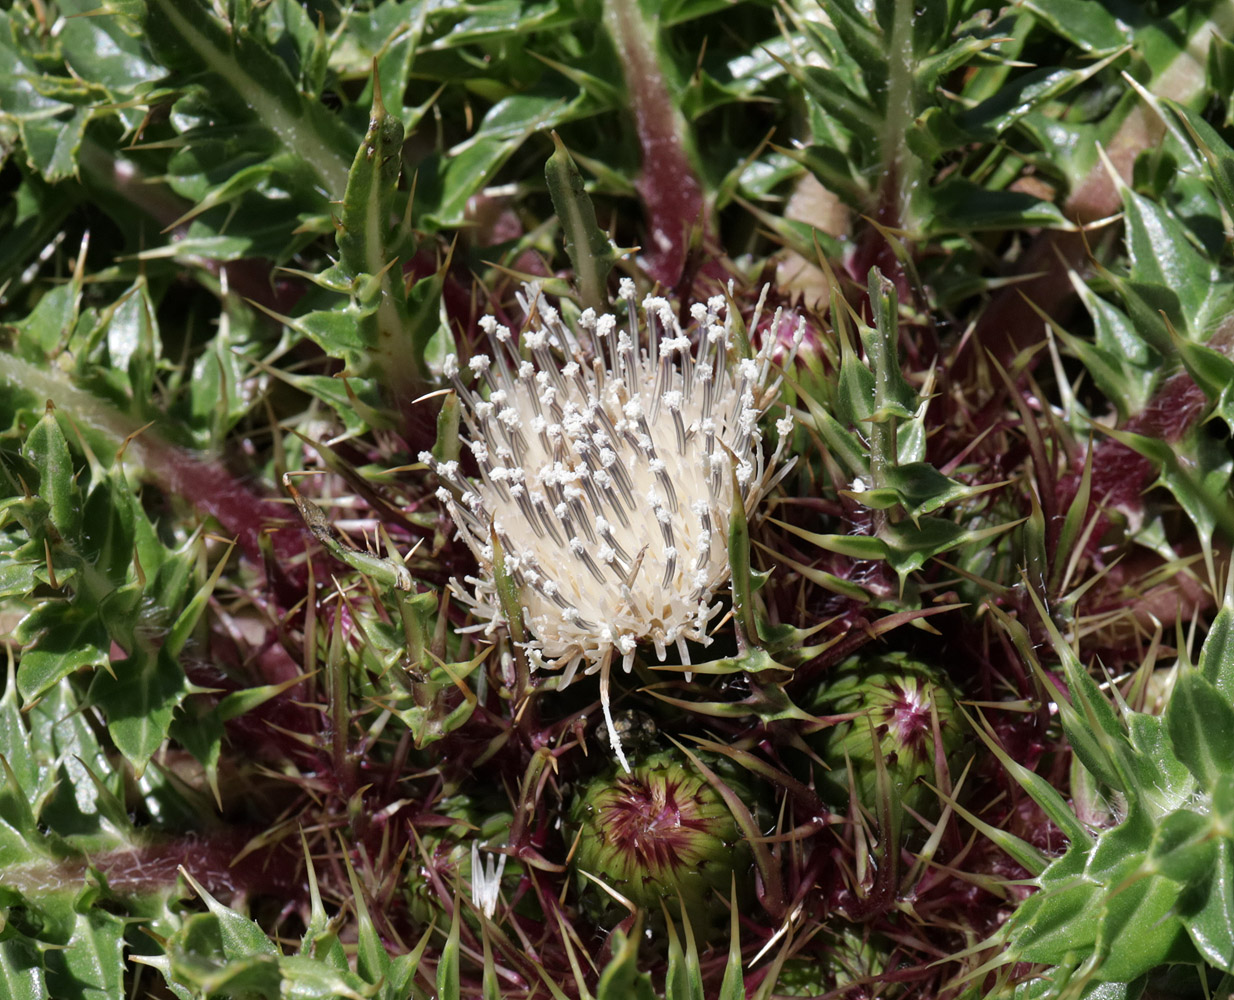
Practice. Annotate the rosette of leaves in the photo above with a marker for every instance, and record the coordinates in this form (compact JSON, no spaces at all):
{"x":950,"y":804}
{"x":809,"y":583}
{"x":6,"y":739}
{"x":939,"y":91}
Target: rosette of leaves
{"x":952,"y":123}
{"x":1156,"y":887}
{"x":1162,"y":338}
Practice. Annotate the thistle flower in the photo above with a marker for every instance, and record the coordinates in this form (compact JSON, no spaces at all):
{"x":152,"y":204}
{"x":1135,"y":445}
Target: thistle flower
{"x":609,"y":465}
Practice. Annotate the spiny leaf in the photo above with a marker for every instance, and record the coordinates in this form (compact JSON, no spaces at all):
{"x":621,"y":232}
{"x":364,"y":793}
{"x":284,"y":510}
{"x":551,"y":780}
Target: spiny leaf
{"x":621,"y":978}
{"x":187,"y":36}
{"x":448,"y":982}
{"x":591,"y":253}
{"x":732,"y":987}
{"x":1201,"y":726}
{"x":1216,"y":662}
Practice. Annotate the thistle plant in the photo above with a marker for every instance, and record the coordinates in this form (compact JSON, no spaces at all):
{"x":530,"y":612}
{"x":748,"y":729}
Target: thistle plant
{"x":614,"y":499}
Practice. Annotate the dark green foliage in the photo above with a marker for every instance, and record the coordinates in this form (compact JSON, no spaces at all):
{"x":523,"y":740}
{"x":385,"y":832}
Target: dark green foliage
{"x":253,"y":740}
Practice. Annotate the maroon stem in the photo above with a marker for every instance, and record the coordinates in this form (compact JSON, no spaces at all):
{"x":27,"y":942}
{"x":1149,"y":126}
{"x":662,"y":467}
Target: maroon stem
{"x":213,"y":490}
{"x":670,"y":189}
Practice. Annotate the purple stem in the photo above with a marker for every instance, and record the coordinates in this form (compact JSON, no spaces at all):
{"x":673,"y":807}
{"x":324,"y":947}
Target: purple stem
{"x":670,"y":189}
{"x":203,"y":482}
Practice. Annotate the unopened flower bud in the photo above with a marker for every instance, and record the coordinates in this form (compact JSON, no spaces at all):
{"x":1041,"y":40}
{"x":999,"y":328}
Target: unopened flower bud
{"x":656,"y":832}
{"x":896,"y":699}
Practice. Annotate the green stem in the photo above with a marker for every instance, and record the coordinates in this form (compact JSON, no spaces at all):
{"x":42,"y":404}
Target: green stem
{"x":899,"y":163}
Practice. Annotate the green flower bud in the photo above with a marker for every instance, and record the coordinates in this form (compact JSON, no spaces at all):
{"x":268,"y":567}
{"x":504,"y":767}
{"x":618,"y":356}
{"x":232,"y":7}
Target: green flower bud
{"x":895,"y":698}
{"x":656,"y":832}
{"x":446,"y":855}
{"x":848,"y":955}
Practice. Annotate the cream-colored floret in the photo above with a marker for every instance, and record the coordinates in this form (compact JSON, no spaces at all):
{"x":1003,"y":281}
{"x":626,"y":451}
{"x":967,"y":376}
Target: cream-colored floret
{"x":606,"y":477}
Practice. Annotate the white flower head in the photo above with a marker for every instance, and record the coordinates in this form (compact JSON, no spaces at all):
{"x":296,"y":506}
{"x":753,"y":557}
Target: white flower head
{"x":628,"y":460}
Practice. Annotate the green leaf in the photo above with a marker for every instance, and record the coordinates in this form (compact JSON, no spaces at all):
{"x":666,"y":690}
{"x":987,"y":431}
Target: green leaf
{"x":1207,"y":908}
{"x":139,"y":698}
{"x":15,"y":807}
{"x":1091,"y":724}
{"x":18,"y":577}
{"x":621,"y":979}
{"x":204,"y":958}
{"x":591,"y":253}
{"x":1217,"y":655}
{"x":90,"y":965}
{"x":48,"y":453}
{"x":14,"y":742}
{"x":740,"y":571}
{"x":1087,"y":24}
{"x":1139,"y":931}
{"x":53,"y":144}
{"x":1107,"y":905}
{"x":338,"y":332}
{"x":732,"y":987}
{"x":1169,"y":272}
{"x":448,"y":983}
{"x":369,"y":249}
{"x":1184,"y":847}
{"x":107,"y":50}
{"x":1058,"y":924}
{"x":251,"y":177}
{"x":892,"y":396}
{"x":961,"y":206}
{"x":1201,"y":727}
{"x":308,"y":979}
{"x":368,"y":201}
{"x":141,"y":693}
{"x":388,"y":572}
{"x":49,"y":323}
{"x":507,"y":125}
{"x":109,"y":530}
{"x":677,"y":982}
{"x":854,"y":546}
{"x":844,"y":445}
{"x":1208,"y":913}
{"x":65,"y":637}
{"x":1022,"y":94}
{"x":400,"y":979}
{"x":372,"y":960}
{"x":187,"y":37}
{"x":238,"y":936}
{"x":1164,"y":781}
{"x":1207,"y":141}
{"x":85,"y":798}
{"x":21,"y":972}
{"x":133,"y":342}
{"x":922,"y":489}
{"x":854,"y":402}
